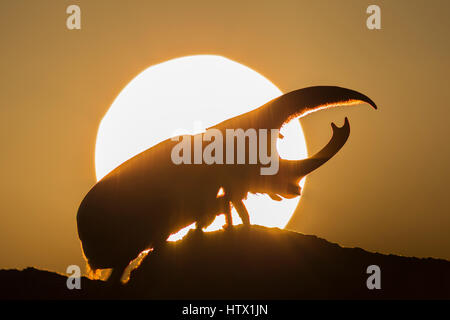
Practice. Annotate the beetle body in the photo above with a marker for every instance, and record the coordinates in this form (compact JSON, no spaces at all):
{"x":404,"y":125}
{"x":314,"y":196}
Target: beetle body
{"x":145,"y":199}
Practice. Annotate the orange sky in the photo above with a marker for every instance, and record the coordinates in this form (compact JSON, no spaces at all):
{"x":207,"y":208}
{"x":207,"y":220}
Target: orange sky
{"x":385,"y":191}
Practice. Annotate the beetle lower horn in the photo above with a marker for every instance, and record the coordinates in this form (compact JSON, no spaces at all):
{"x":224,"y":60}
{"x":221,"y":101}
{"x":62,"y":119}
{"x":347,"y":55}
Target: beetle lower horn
{"x":301,"y":168}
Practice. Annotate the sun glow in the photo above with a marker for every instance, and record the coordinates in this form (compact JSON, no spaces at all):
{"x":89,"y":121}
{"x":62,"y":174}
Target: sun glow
{"x":187,"y":95}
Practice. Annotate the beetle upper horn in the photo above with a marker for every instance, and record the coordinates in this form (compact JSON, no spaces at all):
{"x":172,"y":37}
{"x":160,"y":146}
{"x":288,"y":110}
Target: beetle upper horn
{"x":296,"y":103}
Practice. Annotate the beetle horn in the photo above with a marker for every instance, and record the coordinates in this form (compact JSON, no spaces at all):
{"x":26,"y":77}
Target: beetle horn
{"x":337,"y":141}
{"x":300,"y":168}
{"x":297,"y":103}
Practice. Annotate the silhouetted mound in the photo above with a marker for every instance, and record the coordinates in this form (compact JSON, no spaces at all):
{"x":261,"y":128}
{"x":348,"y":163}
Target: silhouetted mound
{"x":38,"y":284}
{"x":250,"y":263}
{"x":263,"y":263}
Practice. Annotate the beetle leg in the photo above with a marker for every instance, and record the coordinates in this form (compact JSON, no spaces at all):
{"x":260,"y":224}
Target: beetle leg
{"x":199,"y":225}
{"x":204,"y":222}
{"x":228,"y":218}
{"x":242,"y":211}
{"x":116,"y":275}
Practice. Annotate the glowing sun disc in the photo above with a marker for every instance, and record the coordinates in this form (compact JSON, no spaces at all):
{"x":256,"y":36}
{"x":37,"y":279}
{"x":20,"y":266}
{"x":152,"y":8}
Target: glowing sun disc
{"x":190,"y":94}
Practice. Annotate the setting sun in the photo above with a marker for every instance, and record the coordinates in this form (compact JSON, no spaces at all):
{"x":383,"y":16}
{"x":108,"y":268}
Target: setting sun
{"x":187,"y":95}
